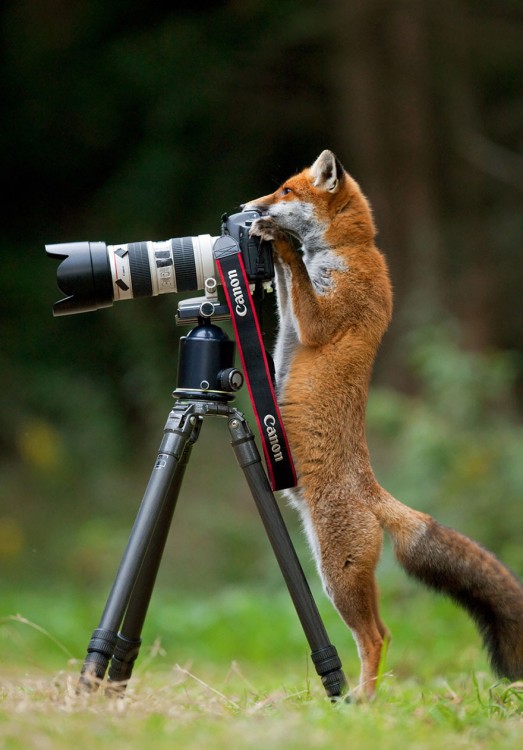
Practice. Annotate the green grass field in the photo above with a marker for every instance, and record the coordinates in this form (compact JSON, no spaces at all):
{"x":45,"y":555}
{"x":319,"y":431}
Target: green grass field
{"x":232,"y":670}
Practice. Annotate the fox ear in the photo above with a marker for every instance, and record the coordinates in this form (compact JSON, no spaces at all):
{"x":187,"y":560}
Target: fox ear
{"x":327,"y":171}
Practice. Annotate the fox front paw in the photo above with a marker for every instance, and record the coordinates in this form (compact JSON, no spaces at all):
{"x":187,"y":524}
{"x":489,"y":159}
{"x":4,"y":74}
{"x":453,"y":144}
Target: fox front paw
{"x":266,"y":229}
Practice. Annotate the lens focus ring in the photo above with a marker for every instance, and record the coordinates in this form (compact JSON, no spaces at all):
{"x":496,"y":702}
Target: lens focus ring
{"x":184,"y":265}
{"x":140,"y":269}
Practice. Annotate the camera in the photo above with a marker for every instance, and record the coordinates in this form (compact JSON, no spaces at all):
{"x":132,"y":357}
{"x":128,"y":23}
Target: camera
{"x":93,"y":275}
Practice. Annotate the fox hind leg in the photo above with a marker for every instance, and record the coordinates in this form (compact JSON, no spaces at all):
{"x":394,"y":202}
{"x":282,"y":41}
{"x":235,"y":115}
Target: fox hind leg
{"x":347,"y":549}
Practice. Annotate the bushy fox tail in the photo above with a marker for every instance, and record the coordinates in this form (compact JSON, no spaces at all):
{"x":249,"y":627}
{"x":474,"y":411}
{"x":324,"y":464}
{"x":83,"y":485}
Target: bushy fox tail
{"x":449,"y":562}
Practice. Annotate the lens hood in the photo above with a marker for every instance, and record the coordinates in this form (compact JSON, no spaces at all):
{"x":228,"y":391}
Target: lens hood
{"x":84,"y":275}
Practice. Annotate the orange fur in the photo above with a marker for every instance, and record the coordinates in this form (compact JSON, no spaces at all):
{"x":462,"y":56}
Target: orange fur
{"x":335,"y":303}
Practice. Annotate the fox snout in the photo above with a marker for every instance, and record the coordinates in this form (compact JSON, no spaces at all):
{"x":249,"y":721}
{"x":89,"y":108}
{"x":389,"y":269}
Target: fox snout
{"x":255,"y":206}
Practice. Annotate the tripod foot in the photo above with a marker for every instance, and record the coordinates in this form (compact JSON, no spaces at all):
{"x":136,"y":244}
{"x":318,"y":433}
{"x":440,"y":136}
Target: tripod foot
{"x":328,"y":666}
{"x":125,"y":654}
{"x":99,"y":651}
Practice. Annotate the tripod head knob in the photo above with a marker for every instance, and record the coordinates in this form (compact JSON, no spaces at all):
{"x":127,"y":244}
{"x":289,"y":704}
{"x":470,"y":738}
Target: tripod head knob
{"x":231,"y":379}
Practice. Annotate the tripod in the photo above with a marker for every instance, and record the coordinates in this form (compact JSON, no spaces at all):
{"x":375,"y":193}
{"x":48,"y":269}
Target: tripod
{"x":206,"y":384}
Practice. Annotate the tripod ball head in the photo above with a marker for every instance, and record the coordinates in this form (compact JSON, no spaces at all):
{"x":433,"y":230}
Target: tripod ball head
{"x":206,"y":364}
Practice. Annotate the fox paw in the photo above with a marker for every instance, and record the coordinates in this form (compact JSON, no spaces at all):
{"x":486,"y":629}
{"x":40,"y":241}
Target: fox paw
{"x":265,"y":228}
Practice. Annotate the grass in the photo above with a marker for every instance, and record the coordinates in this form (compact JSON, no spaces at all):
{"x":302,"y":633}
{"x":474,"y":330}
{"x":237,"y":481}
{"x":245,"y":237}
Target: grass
{"x":231,"y":670}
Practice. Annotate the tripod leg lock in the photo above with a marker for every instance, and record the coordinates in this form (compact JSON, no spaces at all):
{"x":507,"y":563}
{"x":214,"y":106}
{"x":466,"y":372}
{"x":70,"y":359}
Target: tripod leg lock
{"x":243,"y":442}
{"x":328,"y":666}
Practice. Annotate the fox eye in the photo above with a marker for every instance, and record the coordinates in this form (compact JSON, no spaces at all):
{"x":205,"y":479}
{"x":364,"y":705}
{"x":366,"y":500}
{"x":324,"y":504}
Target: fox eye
{"x":286,"y":191}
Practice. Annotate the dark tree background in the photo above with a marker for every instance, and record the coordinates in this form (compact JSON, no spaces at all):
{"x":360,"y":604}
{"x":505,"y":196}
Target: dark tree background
{"x":136,"y":120}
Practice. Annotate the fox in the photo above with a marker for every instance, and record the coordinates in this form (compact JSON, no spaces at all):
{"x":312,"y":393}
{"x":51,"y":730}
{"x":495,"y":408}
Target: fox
{"x":334,"y":304}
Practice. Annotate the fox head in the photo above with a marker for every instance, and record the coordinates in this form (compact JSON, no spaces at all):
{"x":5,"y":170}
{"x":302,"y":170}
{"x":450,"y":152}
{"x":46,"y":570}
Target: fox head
{"x":310,"y":199}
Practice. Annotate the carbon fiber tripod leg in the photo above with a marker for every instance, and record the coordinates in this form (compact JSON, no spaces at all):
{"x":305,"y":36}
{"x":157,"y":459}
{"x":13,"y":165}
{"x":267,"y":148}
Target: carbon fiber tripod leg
{"x":129,"y":639}
{"x":132,"y":587}
{"x":324,"y":654}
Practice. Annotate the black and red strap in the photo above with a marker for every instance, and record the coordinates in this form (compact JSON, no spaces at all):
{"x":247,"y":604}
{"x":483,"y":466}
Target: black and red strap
{"x":229,"y":261}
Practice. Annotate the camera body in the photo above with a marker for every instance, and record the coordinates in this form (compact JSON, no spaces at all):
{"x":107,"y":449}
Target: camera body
{"x":257,"y":255}
{"x":93,"y":275}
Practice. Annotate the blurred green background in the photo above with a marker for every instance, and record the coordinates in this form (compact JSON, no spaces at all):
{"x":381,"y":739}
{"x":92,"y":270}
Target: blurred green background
{"x":133,"y":120}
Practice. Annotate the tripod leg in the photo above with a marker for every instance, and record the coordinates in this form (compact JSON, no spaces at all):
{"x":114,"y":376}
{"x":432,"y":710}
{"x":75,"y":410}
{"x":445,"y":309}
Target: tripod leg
{"x":324,"y":654}
{"x":129,"y":640}
{"x":157,"y":506}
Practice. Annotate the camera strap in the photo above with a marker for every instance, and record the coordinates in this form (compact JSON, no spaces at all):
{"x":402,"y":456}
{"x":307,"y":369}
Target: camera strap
{"x":249,"y":339}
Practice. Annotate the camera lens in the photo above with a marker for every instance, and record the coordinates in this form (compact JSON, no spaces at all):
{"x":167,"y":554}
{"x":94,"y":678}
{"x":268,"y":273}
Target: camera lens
{"x":93,"y":274}
{"x":145,"y":269}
